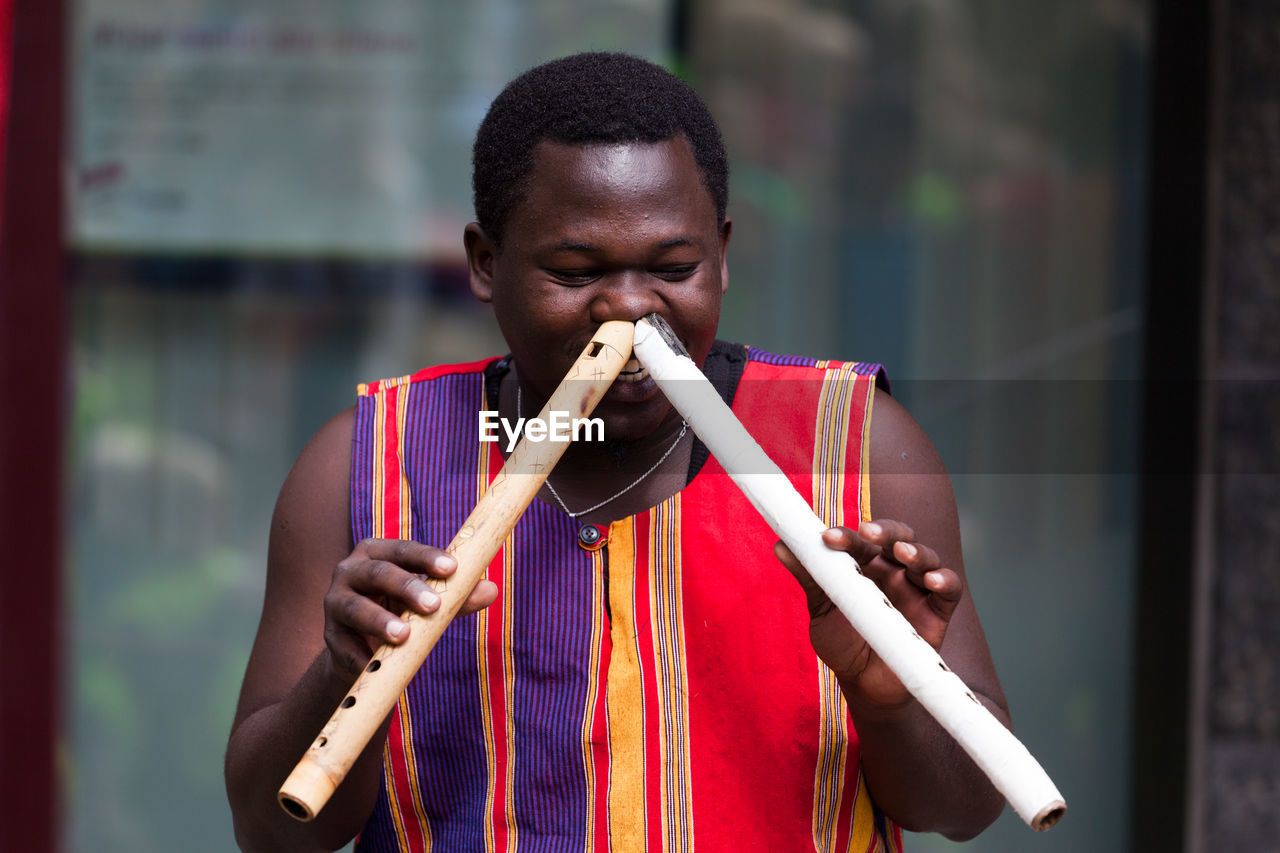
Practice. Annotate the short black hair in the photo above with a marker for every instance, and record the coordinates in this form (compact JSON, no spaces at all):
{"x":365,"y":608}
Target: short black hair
{"x":584,"y":99}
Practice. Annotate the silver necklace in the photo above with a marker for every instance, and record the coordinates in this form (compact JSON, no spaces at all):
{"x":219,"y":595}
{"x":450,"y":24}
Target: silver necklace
{"x":684,"y":427}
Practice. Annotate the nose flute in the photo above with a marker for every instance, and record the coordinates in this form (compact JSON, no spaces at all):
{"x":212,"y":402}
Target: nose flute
{"x":384,"y":679}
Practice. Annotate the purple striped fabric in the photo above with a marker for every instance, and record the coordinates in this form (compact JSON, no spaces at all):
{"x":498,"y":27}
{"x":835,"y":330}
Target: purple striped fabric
{"x":550,"y":631}
{"x":862,"y":368}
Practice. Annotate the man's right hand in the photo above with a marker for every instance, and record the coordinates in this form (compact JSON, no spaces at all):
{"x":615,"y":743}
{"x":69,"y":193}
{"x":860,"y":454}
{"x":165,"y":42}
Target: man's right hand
{"x":374,"y":585}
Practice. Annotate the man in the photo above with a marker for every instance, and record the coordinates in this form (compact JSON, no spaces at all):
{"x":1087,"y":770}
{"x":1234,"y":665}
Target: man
{"x":646,"y":679}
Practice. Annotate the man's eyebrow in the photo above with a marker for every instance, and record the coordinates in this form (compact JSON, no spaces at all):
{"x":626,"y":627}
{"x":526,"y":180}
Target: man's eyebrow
{"x":574,"y":246}
{"x":578,"y":246}
{"x":675,"y":242}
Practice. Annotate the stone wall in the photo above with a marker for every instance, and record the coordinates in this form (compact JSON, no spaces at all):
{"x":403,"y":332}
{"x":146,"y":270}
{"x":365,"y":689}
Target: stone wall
{"x":1238,"y":787}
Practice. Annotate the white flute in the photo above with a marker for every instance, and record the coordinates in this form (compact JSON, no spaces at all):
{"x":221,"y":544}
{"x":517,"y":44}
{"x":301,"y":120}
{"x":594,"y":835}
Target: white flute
{"x":1011,"y":768}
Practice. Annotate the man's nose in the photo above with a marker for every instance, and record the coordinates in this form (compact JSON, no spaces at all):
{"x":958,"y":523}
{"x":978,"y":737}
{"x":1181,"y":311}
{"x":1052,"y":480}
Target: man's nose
{"x":626,"y":295}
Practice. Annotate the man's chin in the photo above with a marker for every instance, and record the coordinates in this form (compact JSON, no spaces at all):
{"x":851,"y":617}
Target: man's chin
{"x":628,"y":420}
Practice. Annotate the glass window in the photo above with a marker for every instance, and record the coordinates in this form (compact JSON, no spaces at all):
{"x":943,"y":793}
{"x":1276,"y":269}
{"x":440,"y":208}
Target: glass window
{"x":955,"y":189}
{"x":267,"y":204}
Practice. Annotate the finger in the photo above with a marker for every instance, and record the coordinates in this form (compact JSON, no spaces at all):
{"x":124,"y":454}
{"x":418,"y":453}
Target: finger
{"x":946,"y":588}
{"x":844,"y":539}
{"x":815,"y":597}
{"x":917,"y":559}
{"x":883,"y":532}
{"x":361,"y":615}
{"x":349,"y":652}
{"x":412,"y":556}
{"x":485,"y":593}
{"x":375,"y":578}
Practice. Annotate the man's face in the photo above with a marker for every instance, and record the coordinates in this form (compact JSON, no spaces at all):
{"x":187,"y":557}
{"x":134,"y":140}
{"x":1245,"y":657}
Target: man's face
{"x":605,"y":232}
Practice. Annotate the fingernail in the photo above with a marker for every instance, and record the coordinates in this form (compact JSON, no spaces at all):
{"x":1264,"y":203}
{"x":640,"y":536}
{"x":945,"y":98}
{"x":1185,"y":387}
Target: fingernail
{"x":444,"y":561}
{"x":396,"y":629}
{"x":427,"y":598}
{"x":871,"y":528}
{"x":908,"y":550}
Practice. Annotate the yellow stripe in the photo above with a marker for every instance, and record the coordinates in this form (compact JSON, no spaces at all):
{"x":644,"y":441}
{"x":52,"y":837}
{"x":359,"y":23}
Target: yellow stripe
{"x":864,"y":818}
{"x":397,"y":819}
{"x":667,"y":617}
{"x":864,"y":498}
{"x":415,"y":789}
{"x":830,"y":442}
{"x":379,"y":469}
{"x":624,"y":699}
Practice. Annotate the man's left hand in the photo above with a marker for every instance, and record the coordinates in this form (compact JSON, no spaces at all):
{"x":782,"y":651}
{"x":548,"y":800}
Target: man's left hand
{"x":916,"y":584}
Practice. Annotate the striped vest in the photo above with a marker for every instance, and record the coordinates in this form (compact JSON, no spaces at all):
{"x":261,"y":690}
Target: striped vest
{"x":657,"y":693}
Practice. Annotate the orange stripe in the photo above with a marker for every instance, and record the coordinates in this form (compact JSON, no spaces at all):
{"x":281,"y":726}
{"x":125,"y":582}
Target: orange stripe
{"x":388,"y":775}
{"x":828,"y":486}
{"x":864,"y":497}
{"x":624,"y":698}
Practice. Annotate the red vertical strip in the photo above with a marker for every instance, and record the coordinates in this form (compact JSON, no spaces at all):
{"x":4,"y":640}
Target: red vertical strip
{"x":398,"y":759}
{"x":32,"y":347}
{"x":600,"y":734}
{"x":392,"y":473}
{"x":495,"y":653}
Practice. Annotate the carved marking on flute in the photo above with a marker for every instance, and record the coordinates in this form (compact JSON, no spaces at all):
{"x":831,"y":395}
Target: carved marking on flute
{"x":466,"y":532}
{"x":611,"y":348}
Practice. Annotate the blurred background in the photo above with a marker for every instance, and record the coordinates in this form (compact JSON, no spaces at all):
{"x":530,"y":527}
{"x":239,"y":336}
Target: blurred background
{"x":262,"y":205}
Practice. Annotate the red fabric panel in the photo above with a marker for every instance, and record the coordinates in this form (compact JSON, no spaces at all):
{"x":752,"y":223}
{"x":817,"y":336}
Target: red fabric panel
{"x":750,"y":618}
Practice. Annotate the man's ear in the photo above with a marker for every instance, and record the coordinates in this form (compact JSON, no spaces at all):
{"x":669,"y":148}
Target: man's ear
{"x":725,"y":231}
{"x":480,"y":255}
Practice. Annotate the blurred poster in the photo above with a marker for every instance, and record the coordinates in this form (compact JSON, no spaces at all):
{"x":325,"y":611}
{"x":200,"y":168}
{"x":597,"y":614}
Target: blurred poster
{"x":318,"y":127}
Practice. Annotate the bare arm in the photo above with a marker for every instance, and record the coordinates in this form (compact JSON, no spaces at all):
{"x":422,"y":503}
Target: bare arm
{"x":322,"y":611}
{"x":916,"y":773}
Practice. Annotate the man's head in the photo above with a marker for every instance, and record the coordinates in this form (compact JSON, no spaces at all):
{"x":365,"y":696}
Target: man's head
{"x":590,"y":98}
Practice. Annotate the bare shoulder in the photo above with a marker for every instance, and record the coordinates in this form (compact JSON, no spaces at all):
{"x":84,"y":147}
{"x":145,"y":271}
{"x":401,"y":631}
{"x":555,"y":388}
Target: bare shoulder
{"x":310,"y":534}
{"x":313,"y":507}
{"x":909,"y":481}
